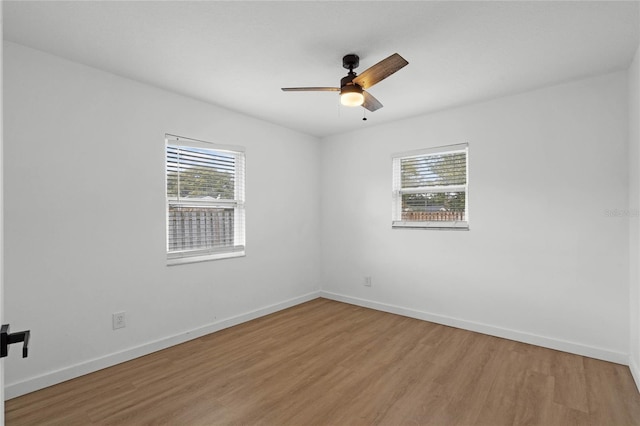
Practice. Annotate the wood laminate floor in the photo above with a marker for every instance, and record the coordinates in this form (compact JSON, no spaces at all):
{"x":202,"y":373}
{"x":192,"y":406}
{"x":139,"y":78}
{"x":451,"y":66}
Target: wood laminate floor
{"x":329,"y":363}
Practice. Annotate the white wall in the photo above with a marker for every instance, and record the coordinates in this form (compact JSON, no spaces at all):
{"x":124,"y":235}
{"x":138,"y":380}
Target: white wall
{"x":85,"y":219}
{"x":634,"y":215}
{"x":542,"y":262}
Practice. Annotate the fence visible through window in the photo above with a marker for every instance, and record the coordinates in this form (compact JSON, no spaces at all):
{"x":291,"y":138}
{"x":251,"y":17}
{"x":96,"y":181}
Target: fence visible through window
{"x":433,"y":216}
{"x":195,"y":228}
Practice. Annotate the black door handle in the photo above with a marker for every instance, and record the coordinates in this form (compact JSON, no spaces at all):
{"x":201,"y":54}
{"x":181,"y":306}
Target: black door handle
{"x":7,"y":339}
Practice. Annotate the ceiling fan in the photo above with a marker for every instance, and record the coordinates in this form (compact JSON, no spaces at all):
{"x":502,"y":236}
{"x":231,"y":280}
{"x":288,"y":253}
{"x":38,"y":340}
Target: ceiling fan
{"x":352,"y":87}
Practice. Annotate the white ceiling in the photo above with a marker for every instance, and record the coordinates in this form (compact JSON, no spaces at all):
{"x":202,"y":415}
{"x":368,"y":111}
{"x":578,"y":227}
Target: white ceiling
{"x":239,"y":54}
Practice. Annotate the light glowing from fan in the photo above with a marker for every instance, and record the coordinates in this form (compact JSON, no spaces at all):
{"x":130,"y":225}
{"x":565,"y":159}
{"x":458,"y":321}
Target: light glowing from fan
{"x":351,"y":95}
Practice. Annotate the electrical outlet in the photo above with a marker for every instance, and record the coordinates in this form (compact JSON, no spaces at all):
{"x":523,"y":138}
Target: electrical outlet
{"x":367,"y":281}
{"x":118,"y":320}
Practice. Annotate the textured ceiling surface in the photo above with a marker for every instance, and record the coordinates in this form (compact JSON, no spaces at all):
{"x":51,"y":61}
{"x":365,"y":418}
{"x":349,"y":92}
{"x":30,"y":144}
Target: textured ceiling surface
{"x":239,"y":54}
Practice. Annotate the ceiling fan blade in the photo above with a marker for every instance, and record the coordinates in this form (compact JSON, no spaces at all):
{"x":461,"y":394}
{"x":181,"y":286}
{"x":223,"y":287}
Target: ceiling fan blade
{"x":310,"y":89}
{"x":370,"y":102}
{"x":380,"y":71}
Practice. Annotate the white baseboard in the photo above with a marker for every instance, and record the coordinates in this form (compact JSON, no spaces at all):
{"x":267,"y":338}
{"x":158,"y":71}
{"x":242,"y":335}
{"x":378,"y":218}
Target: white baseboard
{"x":519,"y":336}
{"x":635,"y":372}
{"x":31,"y":384}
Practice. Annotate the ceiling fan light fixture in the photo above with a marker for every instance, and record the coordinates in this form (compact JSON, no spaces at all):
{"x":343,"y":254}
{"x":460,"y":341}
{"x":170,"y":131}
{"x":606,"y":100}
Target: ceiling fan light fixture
{"x":351,"y":95}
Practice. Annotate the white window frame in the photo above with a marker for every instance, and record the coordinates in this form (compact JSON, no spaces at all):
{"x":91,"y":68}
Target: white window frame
{"x":398,"y":191}
{"x":238,"y":204}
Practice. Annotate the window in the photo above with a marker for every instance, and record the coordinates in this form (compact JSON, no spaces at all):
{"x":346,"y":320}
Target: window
{"x":205,"y":201}
{"x":430,"y":188}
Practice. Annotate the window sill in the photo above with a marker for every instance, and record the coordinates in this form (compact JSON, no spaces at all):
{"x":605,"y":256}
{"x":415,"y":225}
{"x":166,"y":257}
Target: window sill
{"x":203,"y":258}
{"x":442,"y":226}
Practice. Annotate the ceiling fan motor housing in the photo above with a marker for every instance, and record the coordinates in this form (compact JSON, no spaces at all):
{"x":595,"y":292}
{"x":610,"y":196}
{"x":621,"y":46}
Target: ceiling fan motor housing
{"x":347,"y":80}
{"x":350,"y":88}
